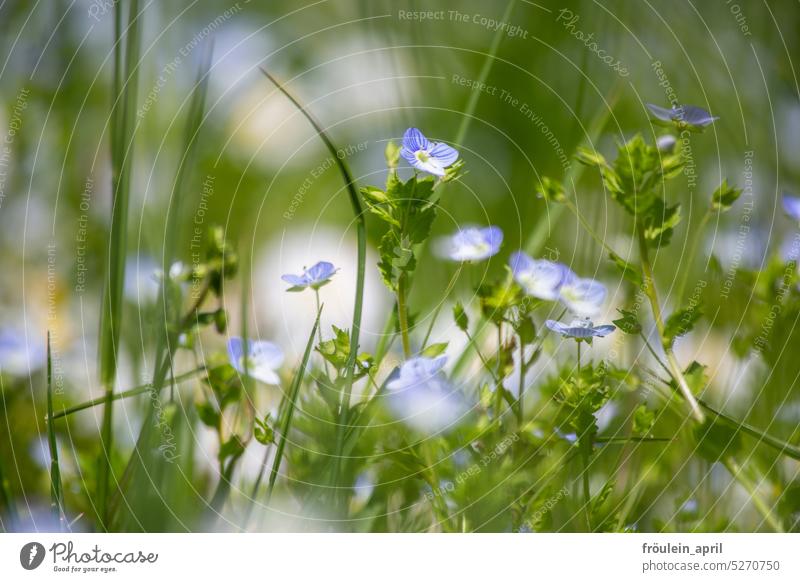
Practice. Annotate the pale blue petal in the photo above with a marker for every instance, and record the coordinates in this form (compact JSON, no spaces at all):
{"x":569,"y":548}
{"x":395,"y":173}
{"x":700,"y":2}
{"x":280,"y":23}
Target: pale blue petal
{"x":791,"y":204}
{"x":660,"y":112}
{"x":295,"y":280}
{"x":320,"y":272}
{"x":414,"y":140}
{"x":584,"y":297}
{"x":696,"y":116}
{"x":444,"y":154}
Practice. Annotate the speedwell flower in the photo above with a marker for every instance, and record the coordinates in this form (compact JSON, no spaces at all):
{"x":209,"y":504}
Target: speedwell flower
{"x":314,"y":277}
{"x":540,"y":278}
{"x":263,"y":359}
{"x":472,"y":244}
{"x":584,"y":297}
{"x":428,"y":156}
{"x":791,"y":205}
{"x":579,"y":329}
{"x":683,"y":115}
{"x":421,"y":395}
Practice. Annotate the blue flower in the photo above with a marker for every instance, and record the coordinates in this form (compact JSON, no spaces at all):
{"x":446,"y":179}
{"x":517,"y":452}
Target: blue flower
{"x":683,"y":115}
{"x":315,"y":277}
{"x":18,"y":357}
{"x":539,"y":278}
{"x":263,"y":359}
{"x":584,"y":297}
{"x":428,"y":156}
{"x":791,"y":205}
{"x":421,"y":395}
{"x":579,"y":329}
{"x":473,"y":244}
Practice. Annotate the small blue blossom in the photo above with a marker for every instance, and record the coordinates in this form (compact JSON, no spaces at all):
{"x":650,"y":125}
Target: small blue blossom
{"x":472,"y":244}
{"x":421,"y":395}
{"x":425,"y":155}
{"x":539,"y":278}
{"x":18,"y":357}
{"x":314,"y":277}
{"x":263,"y":359}
{"x":683,"y":115}
{"x":791,"y":205}
{"x":579,"y":329}
{"x":584,"y":297}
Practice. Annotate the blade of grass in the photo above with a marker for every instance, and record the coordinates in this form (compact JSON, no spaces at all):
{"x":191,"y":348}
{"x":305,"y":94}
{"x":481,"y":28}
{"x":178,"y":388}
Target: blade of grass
{"x":361,"y":233}
{"x":286,"y":421}
{"x":6,"y":498}
{"x":121,"y":395}
{"x":56,"y":490}
{"x":121,"y":162}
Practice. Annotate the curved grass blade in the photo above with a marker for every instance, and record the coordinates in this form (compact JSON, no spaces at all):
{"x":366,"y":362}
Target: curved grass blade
{"x":286,"y":421}
{"x":56,"y":489}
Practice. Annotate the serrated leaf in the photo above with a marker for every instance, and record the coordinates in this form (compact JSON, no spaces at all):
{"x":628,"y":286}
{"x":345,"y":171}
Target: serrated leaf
{"x":680,"y":323}
{"x":628,"y":323}
{"x":263,"y":431}
{"x":724,"y":197}
{"x":628,"y":271}
{"x":643,"y":420}
{"x":659,"y":222}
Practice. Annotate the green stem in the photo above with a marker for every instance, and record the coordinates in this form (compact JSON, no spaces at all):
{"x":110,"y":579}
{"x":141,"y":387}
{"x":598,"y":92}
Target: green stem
{"x":522,"y":371}
{"x":291,"y":403}
{"x":672,"y":362}
{"x":762,"y":507}
{"x":402,"y":315}
{"x":697,"y":237}
{"x":119,"y":395}
{"x":123,"y":122}
{"x":56,"y":490}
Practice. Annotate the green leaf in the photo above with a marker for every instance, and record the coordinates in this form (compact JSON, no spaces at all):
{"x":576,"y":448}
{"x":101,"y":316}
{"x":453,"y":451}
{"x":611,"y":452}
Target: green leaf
{"x":696,"y":377}
{"x":591,"y":158}
{"x":724,"y":197}
{"x":208,"y":414}
{"x":336,"y":350}
{"x":680,"y":323}
{"x":716,"y":440}
{"x":659,"y":222}
{"x":232,"y":448}
{"x":263,"y":431}
{"x":629,"y":271}
{"x":434,"y":350}
{"x":460,"y":317}
{"x":628,"y":323}
{"x":643,"y":420}
{"x":392,"y":154}
{"x":551,"y":190}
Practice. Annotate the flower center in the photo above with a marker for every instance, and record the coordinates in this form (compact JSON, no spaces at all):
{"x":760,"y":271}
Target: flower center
{"x":422,"y":156}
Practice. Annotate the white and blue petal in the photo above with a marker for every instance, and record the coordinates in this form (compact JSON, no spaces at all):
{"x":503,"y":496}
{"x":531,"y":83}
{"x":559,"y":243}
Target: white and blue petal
{"x":315,"y":277}
{"x":579,"y":329}
{"x":425,"y":155}
{"x":472,"y":244}
{"x":540,"y":278}
{"x":688,"y":114}
{"x":263,"y":359}
{"x":421,"y":396}
{"x":584,"y":297}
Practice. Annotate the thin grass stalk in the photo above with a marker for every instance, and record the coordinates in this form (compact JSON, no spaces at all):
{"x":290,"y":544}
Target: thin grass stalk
{"x":291,"y":404}
{"x":361,"y":234}
{"x":121,"y":395}
{"x":56,"y":489}
{"x":122,"y":158}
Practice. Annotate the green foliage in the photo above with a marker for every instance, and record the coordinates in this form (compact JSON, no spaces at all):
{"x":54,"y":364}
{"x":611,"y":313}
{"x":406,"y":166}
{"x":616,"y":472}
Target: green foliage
{"x":724,"y":197}
{"x":643,"y":420}
{"x":680,"y":323}
{"x":408,"y":211}
{"x":497,"y":299}
{"x":716,"y":440}
{"x":551,"y":190}
{"x":628,"y":323}
{"x":635,"y":181}
{"x":263,"y":430}
{"x":460,"y":317}
{"x":337,"y":352}
{"x":630,"y":272}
